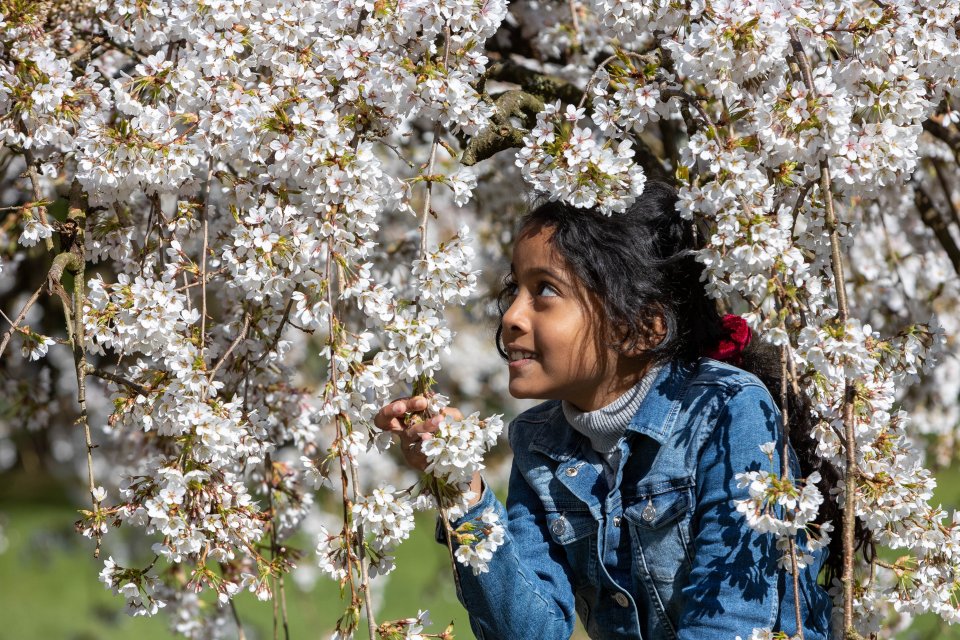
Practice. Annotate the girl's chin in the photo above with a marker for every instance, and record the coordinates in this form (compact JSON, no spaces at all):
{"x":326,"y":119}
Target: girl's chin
{"x":521,"y":390}
{"x":518,"y":391}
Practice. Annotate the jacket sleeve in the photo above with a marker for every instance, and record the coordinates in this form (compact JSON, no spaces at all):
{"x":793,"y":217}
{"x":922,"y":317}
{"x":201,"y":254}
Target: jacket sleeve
{"x":527,"y":591}
{"x":733,"y":585}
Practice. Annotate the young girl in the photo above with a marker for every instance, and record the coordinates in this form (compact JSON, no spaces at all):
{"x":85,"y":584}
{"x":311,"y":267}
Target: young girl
{"x":622,"y":496}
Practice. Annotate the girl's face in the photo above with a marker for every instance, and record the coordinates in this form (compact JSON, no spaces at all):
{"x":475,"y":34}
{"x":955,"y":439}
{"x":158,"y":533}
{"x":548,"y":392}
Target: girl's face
{"x":553,"y":332}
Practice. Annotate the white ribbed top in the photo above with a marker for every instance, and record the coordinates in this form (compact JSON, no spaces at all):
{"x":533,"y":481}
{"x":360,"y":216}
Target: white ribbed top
{"x":605,"y":426}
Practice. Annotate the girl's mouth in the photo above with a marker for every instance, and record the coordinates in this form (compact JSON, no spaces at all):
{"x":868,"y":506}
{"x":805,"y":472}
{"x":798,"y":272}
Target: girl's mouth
{"x":520,"y":358}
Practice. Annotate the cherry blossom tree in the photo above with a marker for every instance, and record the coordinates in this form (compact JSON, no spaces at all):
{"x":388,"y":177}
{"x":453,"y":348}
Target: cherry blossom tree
{"x":205,"y":198}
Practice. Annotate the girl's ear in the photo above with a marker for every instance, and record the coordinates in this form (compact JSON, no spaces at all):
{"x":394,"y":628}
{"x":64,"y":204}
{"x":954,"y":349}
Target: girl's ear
{"x":650,"y":334}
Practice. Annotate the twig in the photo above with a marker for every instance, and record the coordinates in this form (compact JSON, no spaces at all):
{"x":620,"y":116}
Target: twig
{"x":233,"y":345}
{"x":801,"y":198}
{"x":785,"y":472}
{"x":283,"y":609}
{"x":784,"y":411}
{"x":274,"y":548}
{"x":796,"y":588}
{"x":15,"y":325}
{"x":689,"y":99}
{"x":112,"y":377}
{"x":37,"y":195}
{"x":364,"y":573}
{"x":279,"y":332}
{"x":347,"y":467}
{"x":73,"y":242}
{"x":203,"y":257}
{"x":196,"y":283}
{"x":25,"y":205}
{"x":203,"y":287}
{"x":425,"y":214}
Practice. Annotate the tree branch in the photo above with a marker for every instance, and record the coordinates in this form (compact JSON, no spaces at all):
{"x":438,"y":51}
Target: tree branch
{"x":542,"y":85}
{"x":112,"y":377}
{"x":233,"y":345}
{"x":20,"y":316}
{"x":935,"y":221}
{"x":947,"y":135}
{"x":502,"y":135}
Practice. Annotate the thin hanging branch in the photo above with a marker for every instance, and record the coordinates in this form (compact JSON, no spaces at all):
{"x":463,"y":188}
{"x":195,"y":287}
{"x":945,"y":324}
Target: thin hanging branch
{"x":236,"y":620}
{"x":34,"y":176}
{"x":275,"y":552}
{"x":836,"y":264}
{"x":348,"y":471}
{"x":15,"y":325}
{"x":233,"y":345}
{"x":785,"y":472}
{"x":72,"y":259}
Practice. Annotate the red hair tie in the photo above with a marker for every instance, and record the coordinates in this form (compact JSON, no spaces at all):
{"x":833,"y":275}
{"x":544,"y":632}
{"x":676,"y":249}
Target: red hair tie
{"x":730,"y":349}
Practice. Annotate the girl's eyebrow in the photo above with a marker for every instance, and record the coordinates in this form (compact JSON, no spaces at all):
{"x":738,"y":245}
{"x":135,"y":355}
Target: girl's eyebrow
{"x":537,"y":271}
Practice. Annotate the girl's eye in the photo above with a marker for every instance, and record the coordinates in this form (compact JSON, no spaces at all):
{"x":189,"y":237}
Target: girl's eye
{"x":545,"y":290}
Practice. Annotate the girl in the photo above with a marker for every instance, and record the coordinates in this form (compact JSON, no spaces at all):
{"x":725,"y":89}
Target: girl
{"x":621,"y":503}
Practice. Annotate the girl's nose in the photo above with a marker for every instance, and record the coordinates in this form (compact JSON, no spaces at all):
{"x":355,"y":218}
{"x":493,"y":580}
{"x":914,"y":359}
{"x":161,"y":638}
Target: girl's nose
{"x":514,"y":318}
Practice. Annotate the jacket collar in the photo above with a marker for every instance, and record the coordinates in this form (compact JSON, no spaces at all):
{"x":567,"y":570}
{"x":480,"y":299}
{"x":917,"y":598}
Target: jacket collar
{"x":656,"y":417}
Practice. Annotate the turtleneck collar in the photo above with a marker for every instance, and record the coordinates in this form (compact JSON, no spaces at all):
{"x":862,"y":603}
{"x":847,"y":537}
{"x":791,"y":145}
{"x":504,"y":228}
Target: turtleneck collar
{"x":605,"y":426}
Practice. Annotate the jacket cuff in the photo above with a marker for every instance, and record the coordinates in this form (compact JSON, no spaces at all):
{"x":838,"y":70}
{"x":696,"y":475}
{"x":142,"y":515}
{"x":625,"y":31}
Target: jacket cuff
{"x":488,"y":500}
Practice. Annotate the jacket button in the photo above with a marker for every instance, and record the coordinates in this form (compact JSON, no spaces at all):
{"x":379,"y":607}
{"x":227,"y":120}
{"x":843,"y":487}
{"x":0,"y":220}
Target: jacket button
{"x":571,"y":471}
{"x":621,"y":600}
{"x":559,"y":526}
{"x":616,"y":521}
{"x":649,"y":512}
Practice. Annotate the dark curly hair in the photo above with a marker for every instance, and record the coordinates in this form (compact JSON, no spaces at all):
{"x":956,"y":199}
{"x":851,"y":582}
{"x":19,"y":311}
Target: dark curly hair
{"x":642,"y":265}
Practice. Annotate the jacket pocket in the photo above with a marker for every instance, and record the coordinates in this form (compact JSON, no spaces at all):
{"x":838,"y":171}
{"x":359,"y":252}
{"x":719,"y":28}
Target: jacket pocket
{"x":660,"y":504}
{"x":570,"y":525}
{"x":659,"y":518}
{"x":574,"y":532}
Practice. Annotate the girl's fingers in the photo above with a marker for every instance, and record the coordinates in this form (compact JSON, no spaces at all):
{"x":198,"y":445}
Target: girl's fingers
{"x":393,"y":417}
{"x":390,"y":417}
{"x":424,"y":426}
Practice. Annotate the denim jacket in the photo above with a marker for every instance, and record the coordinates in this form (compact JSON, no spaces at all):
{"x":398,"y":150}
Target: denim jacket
{"x":663,"y":554}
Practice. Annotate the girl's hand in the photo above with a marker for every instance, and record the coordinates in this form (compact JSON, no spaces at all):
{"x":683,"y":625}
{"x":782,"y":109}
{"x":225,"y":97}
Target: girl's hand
{"x":412,"y":430}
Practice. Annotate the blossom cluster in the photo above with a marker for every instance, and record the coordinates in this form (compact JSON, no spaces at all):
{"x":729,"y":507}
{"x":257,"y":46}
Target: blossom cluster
{"x":567,"y":162}
{"x":478,"y":540}
{"x":231,"y":157}
{"x":784,"y":507}
{"x":455,"y":452}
